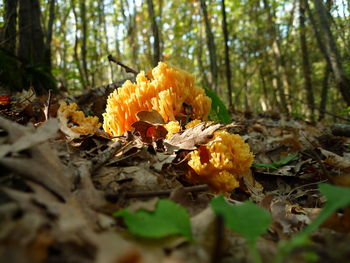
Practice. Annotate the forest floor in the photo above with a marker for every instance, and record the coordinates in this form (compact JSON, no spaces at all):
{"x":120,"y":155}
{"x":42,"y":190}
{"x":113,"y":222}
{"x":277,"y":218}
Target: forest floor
{"x":59,"y":192}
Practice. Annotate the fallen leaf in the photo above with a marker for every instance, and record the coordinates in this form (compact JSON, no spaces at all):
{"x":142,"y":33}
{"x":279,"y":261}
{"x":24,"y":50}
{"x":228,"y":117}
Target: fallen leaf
{"x":148,"y":132}
{"x":190,"y":138}
{"x":152,"y":117}
{"x":32,"y":137}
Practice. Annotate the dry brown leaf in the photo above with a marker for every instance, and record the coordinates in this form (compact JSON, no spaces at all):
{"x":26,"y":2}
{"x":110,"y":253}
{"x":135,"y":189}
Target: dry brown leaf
{"x":336,"y":160}
{"x":190,"y":138}
{"x":148,"y":132}
{"x":152,"y":117}
{"x":30,"y":138}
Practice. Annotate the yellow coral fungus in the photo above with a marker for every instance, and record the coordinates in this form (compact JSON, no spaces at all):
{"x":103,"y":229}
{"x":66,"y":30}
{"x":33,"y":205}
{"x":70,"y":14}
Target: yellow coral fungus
{"x":172,"y":127}
{"x":193,"y":123}
{"x":74,"y":122}
{"x":167,"y":89}
{"x":221,"y":162}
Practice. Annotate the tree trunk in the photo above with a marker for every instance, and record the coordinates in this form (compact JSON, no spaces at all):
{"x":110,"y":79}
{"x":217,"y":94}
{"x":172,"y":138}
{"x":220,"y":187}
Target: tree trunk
{"x":49,"y":33}
{"x":131,"y":29}
{"x":84,"y":41}
{"x":280,"y":66}
{"x":156,"y":43}
{"x":324,"y":93}
{"x":31,"y":37}
{"x":211,"y":45}
{"x":76,"y":44}
{"x":10,"y":20}
{"x":341,"y":79}
{"x":305,"y":61}
{"x":31,"y":48}
{"x":227,"y":55}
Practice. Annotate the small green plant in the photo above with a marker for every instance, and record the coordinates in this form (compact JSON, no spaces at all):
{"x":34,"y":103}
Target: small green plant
{"x":337,"y":197}
{"x":247,"y":219}
{"x":218,"y":111}
{"x":278,"y":164}
{"x":167,"y":219}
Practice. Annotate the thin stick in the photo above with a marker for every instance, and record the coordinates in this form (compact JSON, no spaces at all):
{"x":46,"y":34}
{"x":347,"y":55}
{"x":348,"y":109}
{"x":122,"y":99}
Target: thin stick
{"x":196,"y":188}
{"x":127,"y":69}
{"x":216,"y":256}
{"x":106,"y":155}
{"x":47,"y":106}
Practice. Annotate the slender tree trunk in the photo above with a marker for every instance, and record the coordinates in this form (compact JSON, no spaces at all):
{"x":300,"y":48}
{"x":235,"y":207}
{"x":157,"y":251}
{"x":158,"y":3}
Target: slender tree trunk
{"x":279,"y":58}
{"x":160,"y":26}
{"x":103,"y":18}
{"x":84,"y":41}
{"x":227,"y":56}
{"x":76,"y":44}
{"x":264,"y":88}
{"x":211,"y":45}
{"x":341,"y":79}
{"x":305,"y":61}
{"x":134,"y":43}
{"x":324,"y":94}
{"x":131,"y":26}
{"x":199,"y":45}
{"x":49,"y":33}
{"x":10,"y":19}
{"x":156,"y":43}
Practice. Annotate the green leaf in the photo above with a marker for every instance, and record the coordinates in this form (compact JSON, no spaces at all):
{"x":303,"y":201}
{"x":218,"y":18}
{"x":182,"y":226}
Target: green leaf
{"x":218,"y":111}
{"x":167,"y":219}
{"x":266,"y":165}
{"x":285,"y":160}
{"x":247,"y":219}
{"x":276,"y":165}
{"x":337,"y":197}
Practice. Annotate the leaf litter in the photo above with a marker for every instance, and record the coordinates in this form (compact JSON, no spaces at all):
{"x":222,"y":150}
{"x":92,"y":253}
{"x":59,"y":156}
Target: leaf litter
{"x":59,"y":193}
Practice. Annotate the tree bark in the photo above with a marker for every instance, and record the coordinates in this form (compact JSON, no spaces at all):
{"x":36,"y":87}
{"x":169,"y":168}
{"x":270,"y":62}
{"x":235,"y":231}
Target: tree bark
{"x":31,"y":37}
{"x":324,"y":93}
{"x":131,"y":29}
{"x":227,"y":56}
{"x":156,"y":42}
{"x":31,"y":48}
{"x":341,"y":79}
{"x":10,"y":19}
{"x":211,"y":45}
{"x":280,"y":67}
{"x":305,"y":61}
{"x":76,"y":44}
{"x":84,"y":41}
{"x":49,"y":32}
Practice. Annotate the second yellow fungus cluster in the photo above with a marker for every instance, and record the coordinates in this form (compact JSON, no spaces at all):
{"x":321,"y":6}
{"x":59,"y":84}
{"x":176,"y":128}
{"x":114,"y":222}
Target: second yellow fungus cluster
{"x":220,"y":163}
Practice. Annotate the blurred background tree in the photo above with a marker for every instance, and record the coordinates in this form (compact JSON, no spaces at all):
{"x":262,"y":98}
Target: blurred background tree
{"x":25,"y":58}
{"x":259,"y":55}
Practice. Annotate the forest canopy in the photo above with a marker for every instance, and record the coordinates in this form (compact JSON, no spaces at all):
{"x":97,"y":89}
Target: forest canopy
{"x":284,"y":56}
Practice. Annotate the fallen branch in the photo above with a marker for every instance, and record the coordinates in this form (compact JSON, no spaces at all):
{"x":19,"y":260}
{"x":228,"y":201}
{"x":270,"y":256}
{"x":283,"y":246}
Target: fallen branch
{"x":113,"y":197}
{"x":127,"y":69}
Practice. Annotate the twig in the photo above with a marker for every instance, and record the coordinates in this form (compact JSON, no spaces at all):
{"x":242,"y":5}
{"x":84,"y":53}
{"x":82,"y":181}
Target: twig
{"x":305,"y":185}
{"x":219,"y":236}
{"x":314,"y":155}
{"x":47,"y":106}
{"x":127,"y":69}
{"x":114,"y":196}
{"x":196,"y":188}
{"x":107,"y":154}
